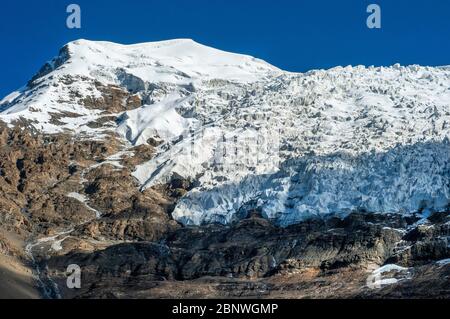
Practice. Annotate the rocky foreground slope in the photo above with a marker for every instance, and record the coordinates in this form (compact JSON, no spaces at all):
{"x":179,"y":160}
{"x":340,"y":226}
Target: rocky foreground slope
{"x":171,"y":169}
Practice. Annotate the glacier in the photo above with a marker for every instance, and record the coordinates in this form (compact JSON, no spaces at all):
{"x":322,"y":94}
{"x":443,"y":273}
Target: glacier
{"x":250,"y":136}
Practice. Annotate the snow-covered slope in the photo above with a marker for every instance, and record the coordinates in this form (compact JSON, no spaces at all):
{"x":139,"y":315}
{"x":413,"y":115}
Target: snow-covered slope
{"x":250,"y":136}
{"x":63,"y":83}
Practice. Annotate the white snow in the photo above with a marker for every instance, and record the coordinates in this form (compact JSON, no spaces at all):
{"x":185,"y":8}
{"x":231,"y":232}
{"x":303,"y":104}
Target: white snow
{"x":297,"y":146}
{"x":57,"y":244}
{"x":79,"y":197}
{"x":179,"y":62}
{"x":83,"y":199}
{"x":443,"y":262}
{"x":376,"y":280}
{"x":160,"y":119}
{"x":175,"y":61}
{"x":11,"y":97}
{"x":389,"y":268}
{"x":385,"y":282}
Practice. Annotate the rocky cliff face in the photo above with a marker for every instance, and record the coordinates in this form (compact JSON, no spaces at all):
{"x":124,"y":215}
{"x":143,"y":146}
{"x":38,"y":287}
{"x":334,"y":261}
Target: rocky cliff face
{"x":172,"y":169}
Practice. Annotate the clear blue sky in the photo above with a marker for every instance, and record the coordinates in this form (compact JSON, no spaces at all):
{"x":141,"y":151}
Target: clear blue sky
{"x":296,"y":35}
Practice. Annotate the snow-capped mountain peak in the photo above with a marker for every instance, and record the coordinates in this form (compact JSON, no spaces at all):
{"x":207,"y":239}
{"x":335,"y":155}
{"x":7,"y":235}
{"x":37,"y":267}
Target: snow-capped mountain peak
{"x":250,"y":136}
{"x":174,"y":61}
{"x":181,"y":62}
